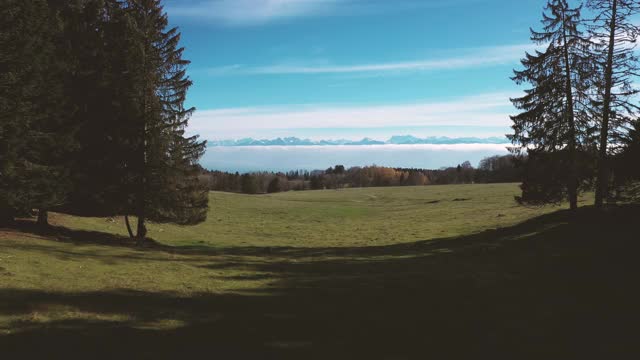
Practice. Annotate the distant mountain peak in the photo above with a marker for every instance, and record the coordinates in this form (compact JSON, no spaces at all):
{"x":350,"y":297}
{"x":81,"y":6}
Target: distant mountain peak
{"x":394,"y":140}
{"x":403,"y":139}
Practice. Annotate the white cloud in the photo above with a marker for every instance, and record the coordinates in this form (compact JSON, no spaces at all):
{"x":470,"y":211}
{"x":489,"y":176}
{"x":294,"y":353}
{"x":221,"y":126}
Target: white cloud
{"x":249,"y":12}
{"x":256,"y":12}
{"x":482,"y":110}
{"x":467,"y":58}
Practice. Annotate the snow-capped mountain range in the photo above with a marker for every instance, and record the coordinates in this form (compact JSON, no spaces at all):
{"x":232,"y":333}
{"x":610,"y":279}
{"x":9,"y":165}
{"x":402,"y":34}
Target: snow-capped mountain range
{"x":395,"y":140}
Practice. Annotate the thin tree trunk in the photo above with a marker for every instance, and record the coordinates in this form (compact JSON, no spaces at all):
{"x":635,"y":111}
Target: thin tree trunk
{"x":602,"y":184}
{"x":43,"y":218}
{"x":126,"y":221}
{"x":142,"y":230}
{"x":572,"y":186}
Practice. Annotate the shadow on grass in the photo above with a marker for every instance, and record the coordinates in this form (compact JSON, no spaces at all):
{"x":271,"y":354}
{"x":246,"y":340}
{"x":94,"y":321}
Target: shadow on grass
{"x":78,"y":237}
{"x":558,"y":286}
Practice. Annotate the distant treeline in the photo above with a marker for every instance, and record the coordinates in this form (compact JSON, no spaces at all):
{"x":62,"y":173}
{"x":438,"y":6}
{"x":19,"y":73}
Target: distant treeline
{"x":491,"y":170}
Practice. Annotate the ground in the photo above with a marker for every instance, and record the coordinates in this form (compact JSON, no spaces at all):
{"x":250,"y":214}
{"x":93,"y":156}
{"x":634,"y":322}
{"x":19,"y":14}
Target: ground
{"x":384,"y":273}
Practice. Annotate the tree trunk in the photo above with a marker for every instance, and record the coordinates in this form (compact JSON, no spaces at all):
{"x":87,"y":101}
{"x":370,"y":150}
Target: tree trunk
{"x":602,"y":185}
{"x":141,"y":231}
{"x":43,"y":218}
{"x":572,"y":186}
{"x":126,"y":221}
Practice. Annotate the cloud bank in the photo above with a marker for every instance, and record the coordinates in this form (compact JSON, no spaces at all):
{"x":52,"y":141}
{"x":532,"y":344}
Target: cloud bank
{"x":285,"y":158}
{"x":488,"y":110}
{"x":468,"y":58}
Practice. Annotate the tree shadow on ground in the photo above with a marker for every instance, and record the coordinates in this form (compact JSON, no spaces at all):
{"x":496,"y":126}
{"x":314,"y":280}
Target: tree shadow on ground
{"x":558,"y":286}
{"x":63,"y":234}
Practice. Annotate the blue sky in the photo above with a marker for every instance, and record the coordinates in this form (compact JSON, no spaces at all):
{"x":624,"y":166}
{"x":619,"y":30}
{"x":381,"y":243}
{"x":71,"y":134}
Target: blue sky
{"x":353,"y":68}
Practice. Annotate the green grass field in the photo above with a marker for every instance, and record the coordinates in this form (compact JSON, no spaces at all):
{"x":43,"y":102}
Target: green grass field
{"x":338,"y":218}
{"x":389,"y":273}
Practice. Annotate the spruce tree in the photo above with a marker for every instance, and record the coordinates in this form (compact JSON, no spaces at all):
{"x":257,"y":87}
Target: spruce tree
{"x":631,"y":152}
{"x":16,"y":89}
{"x":553,"y":120}
{"x":274,"y":185}
{"x":625,"y":163}
{"x":616,"y":33}
{"x":98,"y":35}
{"x":35,"y":134}
{"x":163,"y":167}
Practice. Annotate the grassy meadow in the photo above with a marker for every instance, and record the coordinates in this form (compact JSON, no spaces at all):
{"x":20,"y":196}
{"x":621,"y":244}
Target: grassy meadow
{"x":384,"y":273}
{"x":337,"y":218}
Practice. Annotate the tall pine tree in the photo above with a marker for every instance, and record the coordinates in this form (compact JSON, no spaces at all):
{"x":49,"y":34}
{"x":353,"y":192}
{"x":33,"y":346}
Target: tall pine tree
{"x":36,"y":136}
{"x":616,"y":33}
{"x":163,"y":166}
{"x":552,"y":125}
{"x":98,"y":35}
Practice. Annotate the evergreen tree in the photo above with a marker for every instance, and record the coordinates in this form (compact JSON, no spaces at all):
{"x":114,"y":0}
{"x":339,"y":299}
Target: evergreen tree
{"x":625,"y":164}
{"x":553,"y":118}
{"x":100,"y":37}
{"x":163,"y":168}
{"x":615,"y":55}
{"x":274,"y":185}
{"x":248,"y":184}
{"x":631,"y":152}
{"x":108,"y":76}
{"x":632,"y":148}
{"x":35,"y":132}
{"x":18,"y":35}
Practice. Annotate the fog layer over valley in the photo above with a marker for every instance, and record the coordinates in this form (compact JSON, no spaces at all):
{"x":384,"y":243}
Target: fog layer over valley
{"x":285,"y":158}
